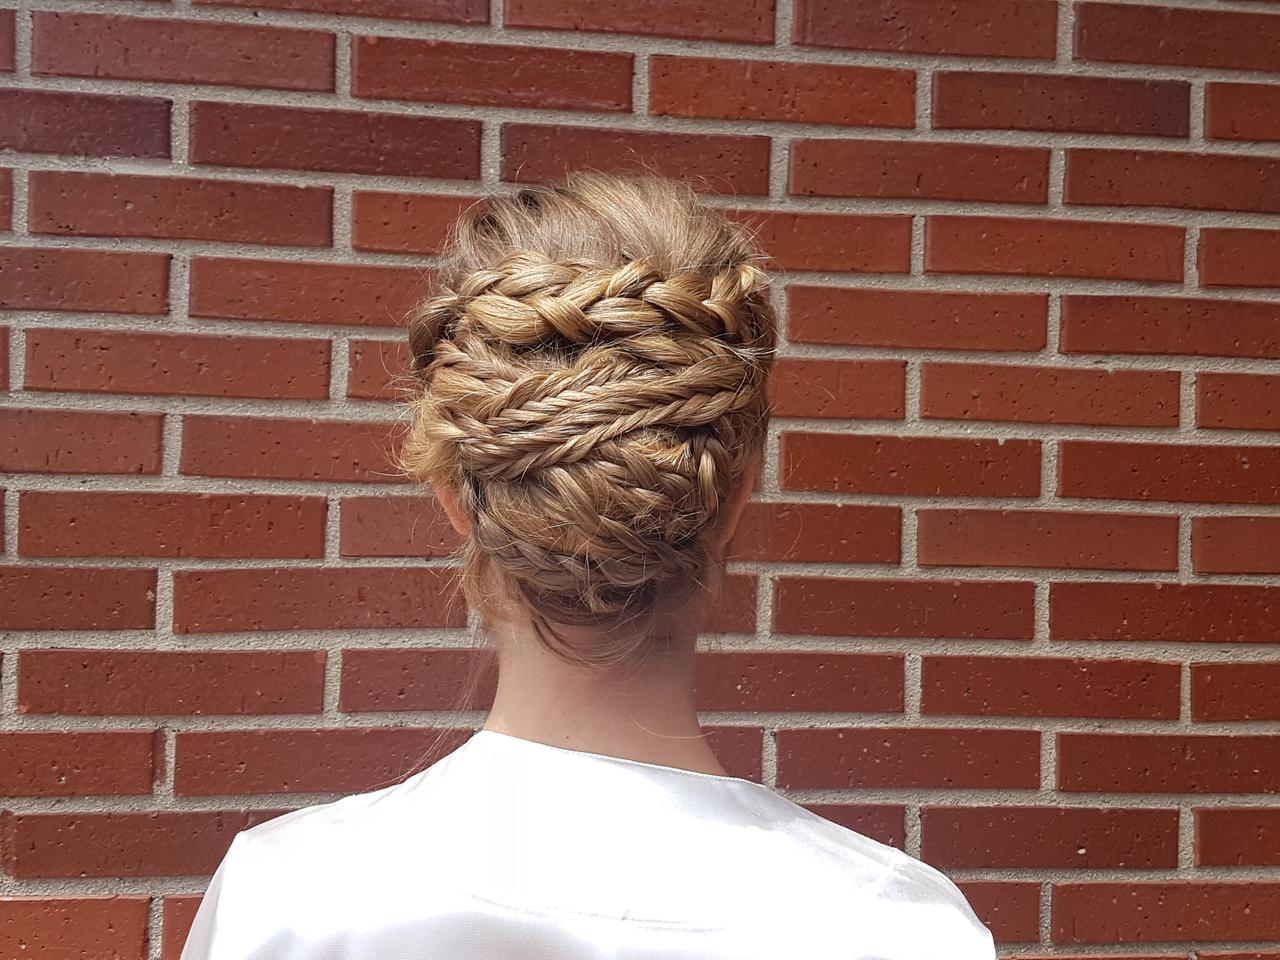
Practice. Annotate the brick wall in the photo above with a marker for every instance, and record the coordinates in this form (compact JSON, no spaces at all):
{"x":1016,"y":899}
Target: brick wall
{"x":1010,"y":594}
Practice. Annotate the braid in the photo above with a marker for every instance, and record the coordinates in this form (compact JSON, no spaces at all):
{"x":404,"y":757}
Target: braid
{"x":592,"y":413}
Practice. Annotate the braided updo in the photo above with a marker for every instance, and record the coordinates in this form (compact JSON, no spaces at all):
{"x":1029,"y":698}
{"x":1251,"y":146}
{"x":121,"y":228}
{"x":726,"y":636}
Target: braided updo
{"x":590,"y":385}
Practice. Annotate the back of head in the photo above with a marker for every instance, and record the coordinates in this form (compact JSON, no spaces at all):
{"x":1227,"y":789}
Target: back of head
{"x":591,"y":386}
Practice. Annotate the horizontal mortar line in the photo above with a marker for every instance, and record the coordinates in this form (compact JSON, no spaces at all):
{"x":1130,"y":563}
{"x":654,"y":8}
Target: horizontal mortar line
{"x":549,"y":38}
{"x":232,"y":250}
{"x":1007,"y":431}
{"x":322,"y":410}
{"x":987,"y":573}
{"x":1024,"y":359}
{"x":161,"y":323}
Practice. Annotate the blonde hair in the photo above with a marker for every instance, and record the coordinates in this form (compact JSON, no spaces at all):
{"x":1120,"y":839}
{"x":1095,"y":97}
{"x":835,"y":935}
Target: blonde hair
{"x":590,"y":384}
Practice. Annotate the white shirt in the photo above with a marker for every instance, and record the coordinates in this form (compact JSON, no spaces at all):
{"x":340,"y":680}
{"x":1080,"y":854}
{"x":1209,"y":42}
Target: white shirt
{"x":510,"y":849}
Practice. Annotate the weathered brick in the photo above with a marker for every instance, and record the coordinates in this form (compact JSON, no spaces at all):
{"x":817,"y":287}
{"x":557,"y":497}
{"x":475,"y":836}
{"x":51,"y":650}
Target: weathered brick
{"x":978,"y":28}
{"x":393,"y":68}
{"x":315,"y":598}
{"x":76,"y":764}
{"x":1235,"y":691}
{"x":1064,"y":539}
{"x":1238,"y":401}
{"x":838,"y":389}
{"x":834,"y":242}
{"x":112,"y":205}
{"x":79,"y":441}
{"x":1184,"y":612}
{"x":778,"y":681}
{"x":774,"y":90}
{"x":404,"y":222}
{"x":994,"y":610}
{"x":818,"y":533}
{"x":1022,"y":101}
{"x":912,"y":757}
{"x":83,"y":124}
{"x":444,"y":11}
{"x":77,"y":598}
{"x":176,"y":364}
{"x":408,"y":679}
{"x":918,"y":171}
{"x":1174,"y":473}
{"x":300,"y":292}
{"x":913,"y":319}
{"x":911,"y":466}
{"x":170,"y":682}
{"x":344,"y":141}
{"x":721,"y":163}
{"x":1183,"y":37}
{"x":1237,"y":837}
{"x":1050,"y":687}
{"x":39,"y":927}
{"x":1241,"y":111}
{"x":1170,"y":325}
{"x":1236,"y":545}
{"x":745,"y":21}
{"x":379,"y":370}
{"x":1053,"y":248}
{"x":1159,"y":912}
{"x":1168,"y":763}
{"x":181,"y":51}
{"x":1192,"y":181}
{"x":91,"y":281}
{"x":1239,"y":258}
{"x":413,"y":526}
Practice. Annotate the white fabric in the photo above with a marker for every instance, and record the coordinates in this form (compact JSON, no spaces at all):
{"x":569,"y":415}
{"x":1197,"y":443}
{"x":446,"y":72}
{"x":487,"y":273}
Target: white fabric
{"x":509,"y":849}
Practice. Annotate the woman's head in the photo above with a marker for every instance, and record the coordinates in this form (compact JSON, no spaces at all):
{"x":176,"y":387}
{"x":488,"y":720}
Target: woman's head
{"x":590,"y":402}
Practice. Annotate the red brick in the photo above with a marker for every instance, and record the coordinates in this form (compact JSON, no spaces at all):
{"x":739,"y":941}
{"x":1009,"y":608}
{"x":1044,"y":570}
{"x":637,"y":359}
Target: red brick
{"x":734,"y":607}
{"x":413,"y":526}
{"x":1188,"y":613}
{"x":214,"y":762}
{"x":46,"y":928}
{"x":910,"y":466}
{"x":1170,"y":325}
{"x":76,"y":764}
{"x":1235,"y":544}
{"x":1239,"y":258}
{"x":787,"y":92}
{"x":179,"y":915}
{"x":839,"y":389}
{"x":1020,"y":101}
{"x":344,"y":141}
{"x":101,"y":524}
{"x":747,"y":21}
{"x":882,"y":822}
{"x":263,"y":447}
{"x":1235,"y":691}
{"x":1021,"y":394}
{"x":80,"y":441}
{"x":6,"y":41}
{"x":151,"y":844}
{"x":1053,"y":248}
{"x":710,"y":162}
{"x":1181,"y":473}
{"x":315,"y":598}
{"x":379,"y":370}
{"x":298,"y":292}
{"x":76,"y":598}
{"x":918,"y":171}
{"x":1193,"y":181}
{"x":1241,"y":111}
{"x":1185,"y":911}
{"x":1167,"y":763}
{"x":444,"y":11}
{"x":818,"y":533}
{"x":980,"y":28}
{"x":391,"y":68}
{"x":1050,"y":687}
{"x":1043,"y":837}
{"x":83,"y":124}
{"x":1123,"y":33}
{"x":1237,"y":838}
{"x":831,"y":242}
{"x":1238,"y":401}
{"x":109,"y":205}
{"x":1047,"y":538}
{"x":6,"y":199}
{"x":916,"y":319}
{"x":406,"y":679}
{"x":970,"y":610}
{"x":181,"y":51}
{"x":1011,"y":911}
{"x":776,"y":681}
{"x":92,"y":281}
{"x":176,"y":364}
{"x":170,"y":682}
{"x":404,"y":222}
{"x":894,"y":757}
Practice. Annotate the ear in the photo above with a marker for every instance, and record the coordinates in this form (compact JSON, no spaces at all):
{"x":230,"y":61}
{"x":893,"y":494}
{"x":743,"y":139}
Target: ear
{"x":736,"y":503}
{"x":449,"y":503}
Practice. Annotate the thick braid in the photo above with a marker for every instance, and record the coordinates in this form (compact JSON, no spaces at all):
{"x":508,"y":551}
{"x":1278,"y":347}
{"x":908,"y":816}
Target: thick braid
{"x":592,"y":413}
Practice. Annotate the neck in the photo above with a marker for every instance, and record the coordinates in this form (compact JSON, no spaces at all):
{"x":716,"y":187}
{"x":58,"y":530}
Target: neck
{"x":644,"y":713}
